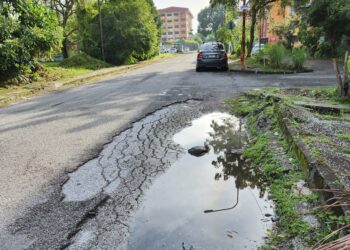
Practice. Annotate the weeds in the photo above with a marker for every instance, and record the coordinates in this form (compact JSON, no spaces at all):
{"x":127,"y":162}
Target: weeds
{"x":298,"y":57}
{"x":291,"y":224}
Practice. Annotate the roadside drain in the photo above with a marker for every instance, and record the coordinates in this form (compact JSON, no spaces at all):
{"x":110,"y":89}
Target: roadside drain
{"x":213,"y":202}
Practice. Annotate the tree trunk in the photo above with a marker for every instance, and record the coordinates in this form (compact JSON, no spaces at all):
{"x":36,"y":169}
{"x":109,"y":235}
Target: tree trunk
{"x":243,"y":44}
{"x":252,"y":30}
{"x":346,"y":81}
{"x":65,"y":47}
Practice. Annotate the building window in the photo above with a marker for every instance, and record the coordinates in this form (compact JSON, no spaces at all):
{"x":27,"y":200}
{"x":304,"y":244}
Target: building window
{"x":169,"y":14}
{"x":176,"y":32}
{"x":170,"y":21}
{"x":162,"y":15}
{"x":176,"y":26}
{"x":170,"y":33}
{"x":176,"y":14}
{"x":176,"y":20}
{"x":170,"y":27}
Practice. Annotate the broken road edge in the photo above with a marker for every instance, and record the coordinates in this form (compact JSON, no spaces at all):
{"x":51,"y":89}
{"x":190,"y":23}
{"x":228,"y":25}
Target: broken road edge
{"x":268,"y":125}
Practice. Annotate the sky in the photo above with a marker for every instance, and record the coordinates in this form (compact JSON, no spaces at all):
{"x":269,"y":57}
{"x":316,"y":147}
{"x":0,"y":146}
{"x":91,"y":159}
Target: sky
{"x":194,"y":5}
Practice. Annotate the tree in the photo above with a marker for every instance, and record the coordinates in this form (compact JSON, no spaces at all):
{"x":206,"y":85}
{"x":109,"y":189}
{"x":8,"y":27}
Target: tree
{"x":27,"y":28}
{"x":64,"y":11}
{"x":210,"y":19}
{"x":258,"y":9}
{"x":334,"y":19}
{"x":131,"y":30}
{"x":197,"y":38}
{"x":288,"y":32}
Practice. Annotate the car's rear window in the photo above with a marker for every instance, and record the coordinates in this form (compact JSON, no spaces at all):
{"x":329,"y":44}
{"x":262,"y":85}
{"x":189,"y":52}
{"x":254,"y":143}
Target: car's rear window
{"x":212,"y":46}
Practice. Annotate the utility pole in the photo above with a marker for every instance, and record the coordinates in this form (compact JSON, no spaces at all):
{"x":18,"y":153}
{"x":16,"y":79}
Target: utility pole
{"x":101,"y":30}
{"x":243,"y":36}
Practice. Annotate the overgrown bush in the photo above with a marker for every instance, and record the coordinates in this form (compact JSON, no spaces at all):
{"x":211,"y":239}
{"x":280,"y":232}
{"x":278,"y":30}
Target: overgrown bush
{"x":276,"y":53}
{"x":83,"y":61}
{"x":299,"y":56}
{"x":27,"y":28}
{"x":131,"y":30}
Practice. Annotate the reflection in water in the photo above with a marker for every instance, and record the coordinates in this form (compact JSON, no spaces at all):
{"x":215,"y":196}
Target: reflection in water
{"x":227,"y":141}
{"x":172,"y":214}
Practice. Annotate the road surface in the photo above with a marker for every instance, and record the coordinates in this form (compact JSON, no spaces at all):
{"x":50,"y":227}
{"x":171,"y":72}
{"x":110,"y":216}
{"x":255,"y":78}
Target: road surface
{"x":50,"y":146}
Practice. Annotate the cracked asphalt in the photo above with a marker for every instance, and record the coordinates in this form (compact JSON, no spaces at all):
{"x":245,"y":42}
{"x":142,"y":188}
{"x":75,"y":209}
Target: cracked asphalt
{"x":74,"y":163}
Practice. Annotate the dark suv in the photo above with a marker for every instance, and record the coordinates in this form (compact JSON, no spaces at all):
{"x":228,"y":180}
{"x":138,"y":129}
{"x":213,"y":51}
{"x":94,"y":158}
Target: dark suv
{"x":212,"y":55}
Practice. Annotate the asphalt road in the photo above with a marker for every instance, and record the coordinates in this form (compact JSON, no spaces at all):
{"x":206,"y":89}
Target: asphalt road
{"x":48,"y":137}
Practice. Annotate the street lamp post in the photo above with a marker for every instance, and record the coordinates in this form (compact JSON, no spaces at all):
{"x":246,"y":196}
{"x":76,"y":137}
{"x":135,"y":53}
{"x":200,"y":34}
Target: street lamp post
{"x":244,"y":9}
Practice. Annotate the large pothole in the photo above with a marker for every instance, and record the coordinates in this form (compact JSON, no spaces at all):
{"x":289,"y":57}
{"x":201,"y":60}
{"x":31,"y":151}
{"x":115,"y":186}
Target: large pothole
{"x":124,"y":170}
{"x":128,"y":198}
{"x":217,"y":201}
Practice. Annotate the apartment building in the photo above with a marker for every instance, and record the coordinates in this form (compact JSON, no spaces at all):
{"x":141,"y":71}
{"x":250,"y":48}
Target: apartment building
{"x":276,"y":15}
{"x":177,"y":23}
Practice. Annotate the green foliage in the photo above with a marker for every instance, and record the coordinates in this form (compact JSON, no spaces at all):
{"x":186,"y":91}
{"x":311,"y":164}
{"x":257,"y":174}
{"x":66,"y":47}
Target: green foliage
{"x":210,"y":19}
{"x":27,"y":29}
{"x":276,"y":53}
{"x":83,"y":61}
{"x":286,"y":32}
{"x":299,"y":57}
{"x":131,"y":30}
{"x":241,"y":106}
{"x":224,"y":35}
{"x":329,"y":20}
{"x":197,"y":38}
{"x":344,"y":137}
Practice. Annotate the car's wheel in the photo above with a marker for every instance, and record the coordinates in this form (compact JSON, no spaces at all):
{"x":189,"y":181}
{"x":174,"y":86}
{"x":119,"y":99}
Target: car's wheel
{"x":225,"y":68}
{"x":198,"y":69}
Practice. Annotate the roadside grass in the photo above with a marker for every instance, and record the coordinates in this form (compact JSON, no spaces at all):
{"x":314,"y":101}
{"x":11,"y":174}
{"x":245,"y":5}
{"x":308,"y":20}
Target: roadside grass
{"x":83,"y":61}
{"x":344,"y":137}
{"x":79,"y":65}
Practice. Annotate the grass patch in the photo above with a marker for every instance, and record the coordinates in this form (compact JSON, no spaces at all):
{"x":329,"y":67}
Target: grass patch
{"x":242,"y":106}
{"x":344,"y":137}
{"x":83,"y":61}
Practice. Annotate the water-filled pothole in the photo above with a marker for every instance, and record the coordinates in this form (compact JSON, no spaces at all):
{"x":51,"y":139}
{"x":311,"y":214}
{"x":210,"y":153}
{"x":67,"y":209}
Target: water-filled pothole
{"x":213,"y":202}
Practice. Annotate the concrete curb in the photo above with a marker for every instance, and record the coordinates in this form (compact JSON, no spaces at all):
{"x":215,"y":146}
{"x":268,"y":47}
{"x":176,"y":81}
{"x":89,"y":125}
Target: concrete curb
{"x":320,"y":175}
{"x":261,"y":72}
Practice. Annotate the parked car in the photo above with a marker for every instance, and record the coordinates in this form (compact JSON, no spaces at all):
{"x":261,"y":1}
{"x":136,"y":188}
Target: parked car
{"x":173,"y":50}
{"x":257,"y":48}
{"x":164,"y":50}
{"x":212,"y":55}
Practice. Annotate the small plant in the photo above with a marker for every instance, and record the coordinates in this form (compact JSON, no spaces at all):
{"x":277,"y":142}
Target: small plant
{"x":299,"y":56}
{"x":276,"y":53}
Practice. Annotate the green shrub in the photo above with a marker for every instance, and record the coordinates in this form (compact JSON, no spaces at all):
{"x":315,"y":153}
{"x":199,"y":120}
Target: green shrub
{"x":27,"y":29}
{"x":131,"y":30}
{"x":83,"y":61}
{"x":276,"y":53}
{"x":299,"y":56}
{"x":261,"y":56}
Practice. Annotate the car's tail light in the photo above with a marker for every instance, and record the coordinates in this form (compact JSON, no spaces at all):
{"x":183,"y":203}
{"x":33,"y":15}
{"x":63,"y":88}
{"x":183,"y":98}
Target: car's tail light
{"x":200,"y":55}
{"x":223,"y":55}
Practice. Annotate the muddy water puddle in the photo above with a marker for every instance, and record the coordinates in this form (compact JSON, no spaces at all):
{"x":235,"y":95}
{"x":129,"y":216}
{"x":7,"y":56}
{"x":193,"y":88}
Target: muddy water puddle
{"x":216,"y":201}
